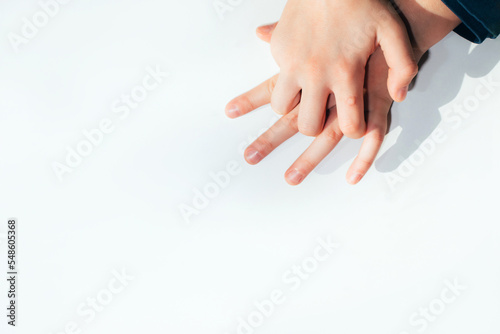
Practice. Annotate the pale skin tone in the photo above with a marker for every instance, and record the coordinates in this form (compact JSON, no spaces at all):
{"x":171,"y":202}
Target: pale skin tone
{"x":322,"y":47}
{"x":429,"y":21}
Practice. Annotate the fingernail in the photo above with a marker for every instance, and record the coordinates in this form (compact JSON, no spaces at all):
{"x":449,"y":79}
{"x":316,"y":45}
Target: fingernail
{"x":295,"y":176}
{"x":253,"y":157}
{"x":265,"y":29}
{"x":402,"y":93}
{"x":233,"y":112}
{"x":355,"y":178}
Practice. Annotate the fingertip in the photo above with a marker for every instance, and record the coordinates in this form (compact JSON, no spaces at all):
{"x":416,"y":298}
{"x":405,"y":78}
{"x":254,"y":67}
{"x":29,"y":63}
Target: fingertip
{"x":260,"y":31}
{"x":294,"y":177}
{"x":233,"y":110}
{"x":354,"y":178}
{"x":401,"y":94}
{"x":265,"y":32}
{"x":253,"y":156}
{"x":261,"y":35}
{"x":266,"y":28}
{"x":398,"y":93}
{"x":400,"y":81}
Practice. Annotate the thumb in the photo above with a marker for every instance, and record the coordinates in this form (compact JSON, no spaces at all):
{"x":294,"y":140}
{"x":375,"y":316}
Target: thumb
{"x":266,"y":32}
{"x":400,"y":58}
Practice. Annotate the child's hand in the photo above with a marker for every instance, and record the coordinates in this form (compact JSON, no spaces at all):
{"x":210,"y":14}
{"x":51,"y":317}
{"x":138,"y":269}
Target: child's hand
{"x":325,"y":142}
{"x":430,"y":21}
{"x":378,"y":102}
{"x":322,"y":47}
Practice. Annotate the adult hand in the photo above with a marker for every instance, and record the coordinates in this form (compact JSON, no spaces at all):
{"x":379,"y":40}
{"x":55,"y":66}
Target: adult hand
{"x":377,"y":99}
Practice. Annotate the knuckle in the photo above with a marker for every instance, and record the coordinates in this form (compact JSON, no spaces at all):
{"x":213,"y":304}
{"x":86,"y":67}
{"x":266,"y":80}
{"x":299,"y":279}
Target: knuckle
{"x":385,"y":101}
{"x":307,"y":164}
{"x":271,"y":84}
{"x":352,"y":130}
{"x":247,"y":103}
{"x":345,"y":69}
{"x":382,"y":102}
{"x":411,"y":69}
{"x":290,"y":121}
{"x":391,"y":22}
{"x":314,"y":67}
{"x":332,"y":135}
{"x":376,"y":136}
{"x":264,"y":144}
{"x":308,"y":129}
{"x":277,"y":107}
{"x":277,"y":49}
{"x":291,"y":65}
{"x":364,"y":162}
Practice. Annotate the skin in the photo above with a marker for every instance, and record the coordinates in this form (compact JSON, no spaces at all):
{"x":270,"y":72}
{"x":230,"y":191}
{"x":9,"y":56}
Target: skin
{"x":378,"y":101}
{"x":331,"y":42}
{"x":429,"y":21}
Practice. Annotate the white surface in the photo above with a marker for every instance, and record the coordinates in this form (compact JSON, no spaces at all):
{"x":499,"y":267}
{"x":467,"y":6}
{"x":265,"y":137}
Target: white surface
{"x":120,"y":208}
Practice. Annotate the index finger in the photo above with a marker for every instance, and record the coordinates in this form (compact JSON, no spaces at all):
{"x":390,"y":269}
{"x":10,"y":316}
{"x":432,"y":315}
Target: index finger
{"x":253,"y":99}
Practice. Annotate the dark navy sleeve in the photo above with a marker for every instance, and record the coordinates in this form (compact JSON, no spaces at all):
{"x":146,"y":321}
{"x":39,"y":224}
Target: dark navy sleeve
{"x":480,"y":18}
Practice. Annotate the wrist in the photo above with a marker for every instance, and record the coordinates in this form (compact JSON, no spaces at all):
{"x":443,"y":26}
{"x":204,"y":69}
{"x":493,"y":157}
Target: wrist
{"x":428,"y":22}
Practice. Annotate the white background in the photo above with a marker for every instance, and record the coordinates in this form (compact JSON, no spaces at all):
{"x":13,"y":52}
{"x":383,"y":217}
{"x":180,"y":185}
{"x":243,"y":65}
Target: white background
{"x":119,"y":210}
